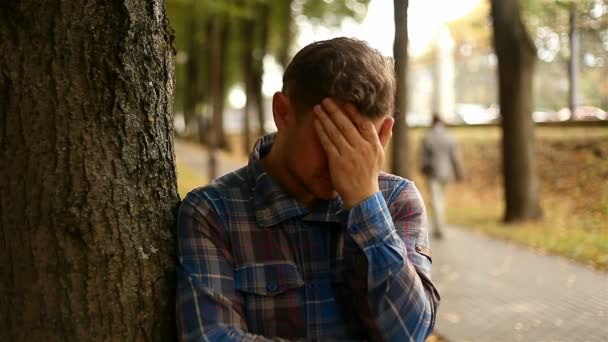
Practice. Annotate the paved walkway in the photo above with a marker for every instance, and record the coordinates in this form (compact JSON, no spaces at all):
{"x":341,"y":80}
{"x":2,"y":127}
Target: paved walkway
{"x":496,"y":291}
{"x":493,"y":290}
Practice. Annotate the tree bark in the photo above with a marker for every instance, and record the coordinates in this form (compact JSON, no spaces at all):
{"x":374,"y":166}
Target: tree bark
{"x":400,"y":143}
{"x":516,"y":56}
{"x":88,"y":195}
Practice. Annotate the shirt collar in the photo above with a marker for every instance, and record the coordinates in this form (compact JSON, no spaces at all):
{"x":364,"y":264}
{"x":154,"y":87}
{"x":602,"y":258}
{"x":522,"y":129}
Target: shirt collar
{"x":272,"y":204}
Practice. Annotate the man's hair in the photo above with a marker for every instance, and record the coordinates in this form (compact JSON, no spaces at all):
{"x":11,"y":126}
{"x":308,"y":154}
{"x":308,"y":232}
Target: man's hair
{"x":345,"y":69}
{"x":437,"y":119}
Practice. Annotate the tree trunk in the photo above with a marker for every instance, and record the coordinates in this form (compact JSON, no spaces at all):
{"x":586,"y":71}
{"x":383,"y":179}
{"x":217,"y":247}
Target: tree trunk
{"x":247,"y":60}
{"x":192,"y":66}
{"x":573,"y":62}
{"x":400,"y":143}
{"x":258,"y":66}
{"x":288,"y":33}
{"x":224,"y":34}
{"x":215,"y":88}
{"x":88,"y":196}
{"x":516,"y":56}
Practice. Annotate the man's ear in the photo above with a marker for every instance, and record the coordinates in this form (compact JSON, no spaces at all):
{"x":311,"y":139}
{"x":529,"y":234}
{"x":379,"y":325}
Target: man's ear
{"x":280,"y":109}
{"x":386,"y":131}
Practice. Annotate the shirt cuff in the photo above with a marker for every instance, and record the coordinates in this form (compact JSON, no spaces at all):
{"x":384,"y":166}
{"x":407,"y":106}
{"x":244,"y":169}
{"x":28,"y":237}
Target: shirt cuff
{"x":369,"y":222}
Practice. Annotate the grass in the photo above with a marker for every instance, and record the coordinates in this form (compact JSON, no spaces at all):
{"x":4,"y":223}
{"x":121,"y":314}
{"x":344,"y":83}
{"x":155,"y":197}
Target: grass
{"x":188,"y":179}
{"x":572,"y":165}
{"x":579,"y":237}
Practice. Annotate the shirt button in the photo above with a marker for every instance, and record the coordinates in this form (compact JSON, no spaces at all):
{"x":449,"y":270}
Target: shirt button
{"x":272,"y":287}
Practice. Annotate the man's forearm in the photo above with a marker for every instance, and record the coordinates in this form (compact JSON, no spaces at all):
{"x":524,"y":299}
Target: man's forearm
{"x":401,"y":302}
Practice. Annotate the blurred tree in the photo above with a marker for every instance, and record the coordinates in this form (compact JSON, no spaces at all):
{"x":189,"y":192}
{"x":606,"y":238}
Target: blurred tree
{"x":88,"y":194}
{"x":400,"y":146}
{"x":516,"y":56}
{"x":572,"y":33}
{"x":273,"y":33}
{"x":548,"y":22}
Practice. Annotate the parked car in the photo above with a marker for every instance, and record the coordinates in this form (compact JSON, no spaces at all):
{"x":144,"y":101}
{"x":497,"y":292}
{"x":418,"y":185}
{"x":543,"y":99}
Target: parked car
{"x":418,"y":120}
{"x":548,"y":115}
{"x":589,"y":113}
{"x":584,"y":113}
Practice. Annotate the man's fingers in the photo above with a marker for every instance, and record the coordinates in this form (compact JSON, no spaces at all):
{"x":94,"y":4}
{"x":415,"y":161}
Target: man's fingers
{"x":365,"y":126}
{"x":386,"y":131}
{"x":326,"y":142}
{"x":330,"y":129}
{"x":341,"y":120}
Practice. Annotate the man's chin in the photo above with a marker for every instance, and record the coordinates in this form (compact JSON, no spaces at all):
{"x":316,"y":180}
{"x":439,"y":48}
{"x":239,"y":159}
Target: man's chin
{"x":327,"y":194}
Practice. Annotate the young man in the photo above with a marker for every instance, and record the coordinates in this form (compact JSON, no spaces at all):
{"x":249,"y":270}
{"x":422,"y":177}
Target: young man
{"x":310,"y":240}
{"x":440,"y":163}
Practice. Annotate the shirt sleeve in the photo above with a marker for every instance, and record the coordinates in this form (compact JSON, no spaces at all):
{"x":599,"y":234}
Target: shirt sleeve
{"x":389,"y":274}
{"x":208,"y":306}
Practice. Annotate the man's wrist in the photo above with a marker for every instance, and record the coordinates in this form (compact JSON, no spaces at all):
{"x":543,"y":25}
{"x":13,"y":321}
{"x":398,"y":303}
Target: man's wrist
{"x":353,"y":201}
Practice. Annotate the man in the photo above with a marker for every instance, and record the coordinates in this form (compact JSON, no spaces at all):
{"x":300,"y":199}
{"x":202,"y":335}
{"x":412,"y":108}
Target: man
{"x":440,"y":163}
{"x":310,"y":240}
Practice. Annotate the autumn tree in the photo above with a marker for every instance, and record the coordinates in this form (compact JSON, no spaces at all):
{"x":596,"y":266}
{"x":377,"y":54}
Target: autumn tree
{"x":516,"y":57}
{"x":400,"y":143}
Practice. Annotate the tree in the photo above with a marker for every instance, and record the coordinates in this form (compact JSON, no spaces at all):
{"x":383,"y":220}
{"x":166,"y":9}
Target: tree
{"x":516,"y":56}
{"x":400,"y":145}
{"x":88,"y":195}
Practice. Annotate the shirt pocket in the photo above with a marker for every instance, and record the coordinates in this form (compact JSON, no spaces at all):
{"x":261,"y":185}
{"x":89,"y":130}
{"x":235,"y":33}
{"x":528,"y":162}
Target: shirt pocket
{"x":272,"y":294}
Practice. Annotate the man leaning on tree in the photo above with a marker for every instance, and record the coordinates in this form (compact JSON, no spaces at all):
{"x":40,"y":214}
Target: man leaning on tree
{"x":310,"y":240}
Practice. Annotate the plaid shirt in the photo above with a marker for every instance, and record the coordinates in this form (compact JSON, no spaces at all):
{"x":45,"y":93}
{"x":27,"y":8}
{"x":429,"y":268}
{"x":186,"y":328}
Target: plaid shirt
{"x":254,"y":264}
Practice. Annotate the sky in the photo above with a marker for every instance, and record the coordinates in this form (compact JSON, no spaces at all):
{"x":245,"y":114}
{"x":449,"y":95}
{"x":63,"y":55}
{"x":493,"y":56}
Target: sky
{"x":425,"y":18}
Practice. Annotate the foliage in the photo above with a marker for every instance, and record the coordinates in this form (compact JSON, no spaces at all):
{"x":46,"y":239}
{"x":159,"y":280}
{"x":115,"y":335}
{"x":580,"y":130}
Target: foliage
{"x":548,"y":24}
{"x":189,"y":18}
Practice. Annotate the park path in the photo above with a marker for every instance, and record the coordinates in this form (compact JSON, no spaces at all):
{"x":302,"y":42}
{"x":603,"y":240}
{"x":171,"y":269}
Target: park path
{"x":493,"y":290}
{"x":497,"y":291}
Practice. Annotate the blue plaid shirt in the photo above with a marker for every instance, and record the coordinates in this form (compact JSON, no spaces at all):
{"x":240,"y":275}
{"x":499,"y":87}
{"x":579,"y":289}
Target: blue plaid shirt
{"x":254,"y":264}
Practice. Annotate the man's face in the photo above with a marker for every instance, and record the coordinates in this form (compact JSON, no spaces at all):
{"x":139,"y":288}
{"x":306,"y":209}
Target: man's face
{"x":306,"y":160}
{"x":305,"y":157}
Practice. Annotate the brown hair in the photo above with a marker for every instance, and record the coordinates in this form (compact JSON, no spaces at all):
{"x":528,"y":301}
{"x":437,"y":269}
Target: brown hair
{"x":343,"y":68}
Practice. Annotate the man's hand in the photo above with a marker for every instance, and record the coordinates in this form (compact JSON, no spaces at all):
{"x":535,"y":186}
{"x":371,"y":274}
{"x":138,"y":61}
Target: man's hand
{"x":355,"y":150}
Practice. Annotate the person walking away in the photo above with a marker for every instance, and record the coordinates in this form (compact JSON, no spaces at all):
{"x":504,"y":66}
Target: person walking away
{"x":440,"y":164}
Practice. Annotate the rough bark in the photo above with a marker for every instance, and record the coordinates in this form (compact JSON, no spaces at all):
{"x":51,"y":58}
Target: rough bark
{"x":516,"y":56}
{"x":400,"y":143}
{"x":88,"y":193}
